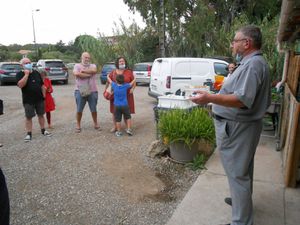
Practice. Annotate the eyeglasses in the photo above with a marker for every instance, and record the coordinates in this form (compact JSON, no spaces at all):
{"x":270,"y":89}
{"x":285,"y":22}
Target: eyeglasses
{"x":238,"y":40}
{"x":27,"y":63}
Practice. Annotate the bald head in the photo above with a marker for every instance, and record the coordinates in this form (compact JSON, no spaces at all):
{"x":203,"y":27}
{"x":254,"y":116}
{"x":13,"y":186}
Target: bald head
{"x":85,"y":58}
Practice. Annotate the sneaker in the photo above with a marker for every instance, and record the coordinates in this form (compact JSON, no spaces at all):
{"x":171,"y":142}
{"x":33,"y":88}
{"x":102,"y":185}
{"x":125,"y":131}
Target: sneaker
{"x":118,"y":133}
{"x":47,"y":133}
{"x":228,"y":201}
{"x":129,"y":132}
{"x":27,"y":138}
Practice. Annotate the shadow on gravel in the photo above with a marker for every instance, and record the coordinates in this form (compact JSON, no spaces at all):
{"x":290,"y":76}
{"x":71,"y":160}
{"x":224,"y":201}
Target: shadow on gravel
{"x":164,"y":195}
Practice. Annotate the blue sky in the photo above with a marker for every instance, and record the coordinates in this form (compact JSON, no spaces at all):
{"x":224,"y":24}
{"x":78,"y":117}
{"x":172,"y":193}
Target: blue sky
{"x":60,"y":19}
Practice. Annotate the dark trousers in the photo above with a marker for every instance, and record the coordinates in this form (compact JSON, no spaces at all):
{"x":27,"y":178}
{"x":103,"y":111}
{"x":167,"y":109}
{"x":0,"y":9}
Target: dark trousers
{"x":1,"y":107}
{"x":4,"y":201}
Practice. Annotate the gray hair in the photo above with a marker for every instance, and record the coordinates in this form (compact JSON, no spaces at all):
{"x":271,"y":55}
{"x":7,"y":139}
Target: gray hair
{"x":254,"y":33}
{"x":22,"y":60}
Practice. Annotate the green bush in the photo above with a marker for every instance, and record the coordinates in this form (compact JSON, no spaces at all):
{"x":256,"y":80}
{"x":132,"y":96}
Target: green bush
{"x":198,"y":162}
{"x":275,"y":96}
{"x":188,"y":126}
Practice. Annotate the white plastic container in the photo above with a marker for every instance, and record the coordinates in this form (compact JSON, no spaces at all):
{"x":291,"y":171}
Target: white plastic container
{"x":175,"y":101}
{"x":191,"y":89}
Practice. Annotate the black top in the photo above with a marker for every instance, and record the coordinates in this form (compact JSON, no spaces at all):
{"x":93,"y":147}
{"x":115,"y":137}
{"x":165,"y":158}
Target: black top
{"x":32,"y":91}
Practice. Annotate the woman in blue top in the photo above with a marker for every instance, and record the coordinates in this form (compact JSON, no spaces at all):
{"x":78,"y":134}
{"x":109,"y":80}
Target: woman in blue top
{"x":121,"y":106}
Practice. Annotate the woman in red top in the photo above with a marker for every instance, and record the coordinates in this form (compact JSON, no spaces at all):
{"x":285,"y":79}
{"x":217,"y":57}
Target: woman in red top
{"x":49,"y":101}
{"x":122,"y":69}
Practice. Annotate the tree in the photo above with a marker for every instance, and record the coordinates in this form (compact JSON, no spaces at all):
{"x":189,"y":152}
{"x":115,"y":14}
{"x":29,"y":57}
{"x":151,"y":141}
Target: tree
{"x":128,"y":42}
{"x":148,"y":44}
{"x":132,"y":42}
{"x":99,"y":50}
{"x":3,"y":53}
{"x":60,"y":46}
{"x":52,"y":55}
{"x":206,"y":27}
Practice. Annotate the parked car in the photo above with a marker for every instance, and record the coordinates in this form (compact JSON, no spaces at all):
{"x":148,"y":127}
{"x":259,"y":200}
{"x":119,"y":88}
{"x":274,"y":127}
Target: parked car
{"x":142,"y":72}
{"x":34,"y":65}
{"x":70,"y":65}
{"x":55,"y":69}
{"x":8,"y":72}
{"x":106,"y":69}
{"x":168,"y":75}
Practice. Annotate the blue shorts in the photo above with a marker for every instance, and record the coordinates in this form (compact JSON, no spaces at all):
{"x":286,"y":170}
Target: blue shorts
{"x":92,"y":100}
{"x":31,"y":110}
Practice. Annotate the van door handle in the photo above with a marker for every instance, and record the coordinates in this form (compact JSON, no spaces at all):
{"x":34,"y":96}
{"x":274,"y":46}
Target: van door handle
{"x":155,"y":78}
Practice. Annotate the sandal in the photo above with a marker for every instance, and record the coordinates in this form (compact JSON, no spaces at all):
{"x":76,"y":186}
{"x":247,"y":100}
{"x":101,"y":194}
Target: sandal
{"x":113,"y":130}
{"x":77,"y":130}
{"x":98,"y":128}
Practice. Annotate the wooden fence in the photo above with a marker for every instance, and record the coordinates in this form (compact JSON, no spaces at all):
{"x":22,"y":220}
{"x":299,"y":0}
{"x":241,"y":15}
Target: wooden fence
{"x":290,"y":124}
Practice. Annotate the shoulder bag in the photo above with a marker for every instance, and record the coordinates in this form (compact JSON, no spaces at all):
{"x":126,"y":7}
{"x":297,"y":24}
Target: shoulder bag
{"x":85,"y":89}
{"x":108,"y":92}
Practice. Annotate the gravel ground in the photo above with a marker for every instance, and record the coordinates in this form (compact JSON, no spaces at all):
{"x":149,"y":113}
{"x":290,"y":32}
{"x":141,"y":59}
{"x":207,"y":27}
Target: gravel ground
{"x":88,"y":178}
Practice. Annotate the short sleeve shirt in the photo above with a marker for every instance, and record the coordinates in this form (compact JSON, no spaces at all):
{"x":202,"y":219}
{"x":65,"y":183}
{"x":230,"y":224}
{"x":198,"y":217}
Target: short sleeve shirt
{"x":250,"y":83}
{"x":32,"y":91}
{"x":120,"y":93}
{"x":91,"y":80}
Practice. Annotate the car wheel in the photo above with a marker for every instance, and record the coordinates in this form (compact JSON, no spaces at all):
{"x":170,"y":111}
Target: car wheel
{"x":66,"y":81}
{"x":1,"y":83}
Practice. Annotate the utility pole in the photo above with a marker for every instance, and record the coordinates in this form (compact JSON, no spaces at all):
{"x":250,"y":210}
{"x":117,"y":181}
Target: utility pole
{"x":162,"y":29}
{"x":34,"y":39}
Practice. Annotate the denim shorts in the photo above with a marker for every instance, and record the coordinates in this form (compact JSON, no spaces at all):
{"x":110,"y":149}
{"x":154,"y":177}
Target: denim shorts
{"x":92,"y":100}
{"x":32,"y":109}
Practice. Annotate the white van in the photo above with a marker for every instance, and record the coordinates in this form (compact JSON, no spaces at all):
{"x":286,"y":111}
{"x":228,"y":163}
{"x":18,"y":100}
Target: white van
{"x":171,"y":74}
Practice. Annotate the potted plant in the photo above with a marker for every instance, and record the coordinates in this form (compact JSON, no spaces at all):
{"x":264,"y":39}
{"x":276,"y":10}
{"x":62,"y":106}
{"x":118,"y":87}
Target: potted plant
{"x":275,"y":101}
{"x":187,"y":132}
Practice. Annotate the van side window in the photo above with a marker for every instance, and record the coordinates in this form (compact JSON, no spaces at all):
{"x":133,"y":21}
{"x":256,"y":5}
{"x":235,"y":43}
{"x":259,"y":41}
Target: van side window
{"x":220,"y":68}
{"x":200,"y":68}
